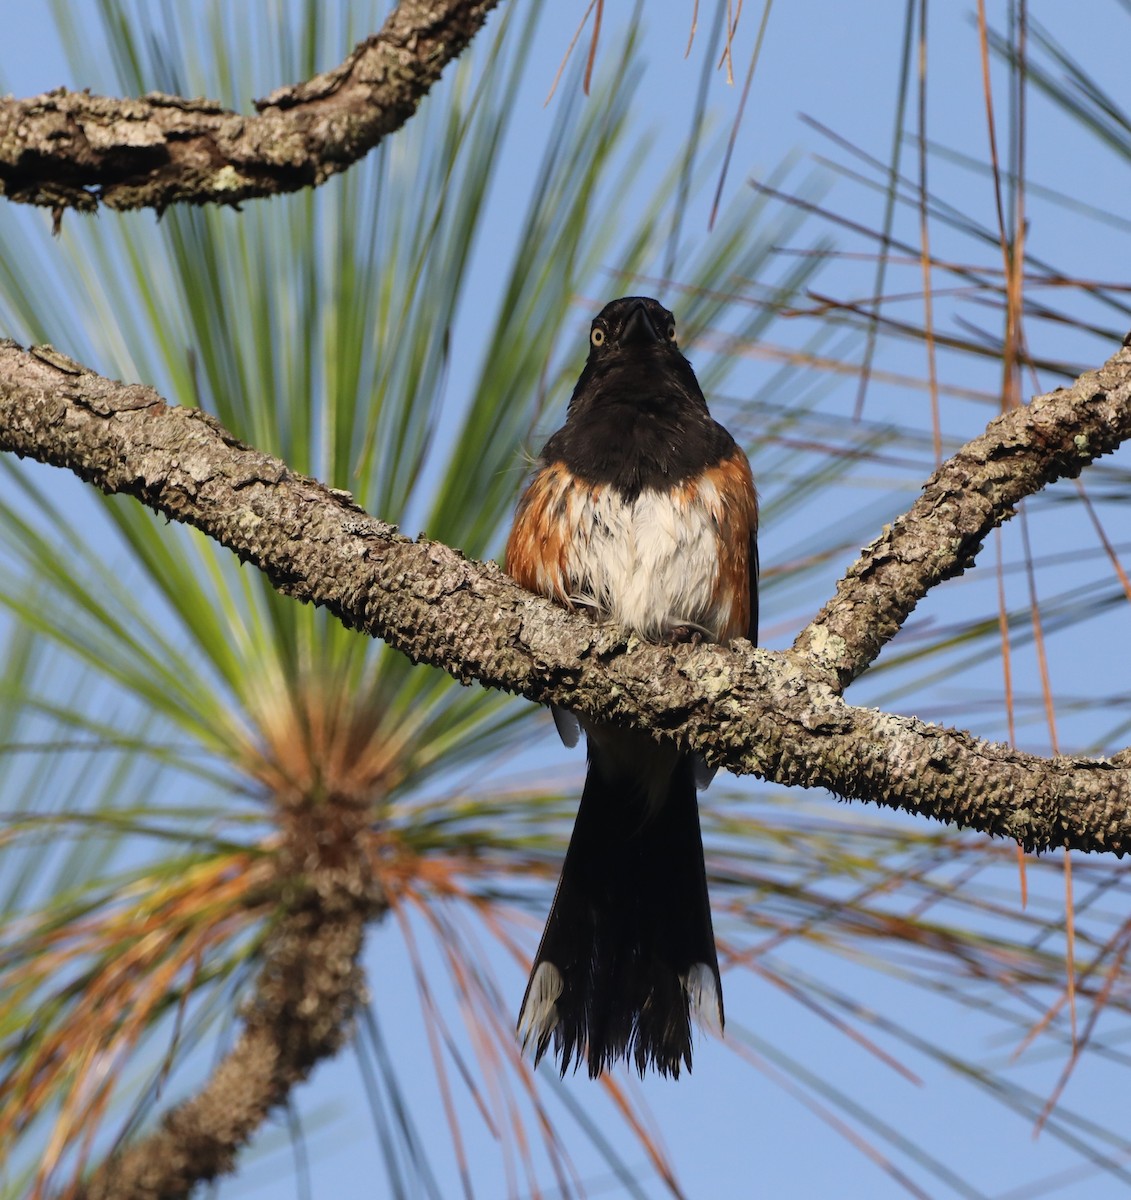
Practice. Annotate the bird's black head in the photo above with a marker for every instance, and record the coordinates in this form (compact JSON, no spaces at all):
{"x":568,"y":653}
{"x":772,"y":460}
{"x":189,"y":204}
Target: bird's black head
{"x":637,"y":417}
{"x":632,"y":325}
{"x":634,"y":363}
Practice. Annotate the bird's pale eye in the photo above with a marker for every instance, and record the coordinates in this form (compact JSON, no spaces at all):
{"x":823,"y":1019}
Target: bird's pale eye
{"x":597,"y":337}
{"x":671,"y":331}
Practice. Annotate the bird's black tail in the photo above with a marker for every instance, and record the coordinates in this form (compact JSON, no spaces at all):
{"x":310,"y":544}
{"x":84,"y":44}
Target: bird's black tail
{"x":628,"y":955}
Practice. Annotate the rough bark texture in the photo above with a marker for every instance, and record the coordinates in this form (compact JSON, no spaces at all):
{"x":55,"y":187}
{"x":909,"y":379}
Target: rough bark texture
{"x":1054,"y":437}
{"x":74,"y":150}
{"x":779,"y":715}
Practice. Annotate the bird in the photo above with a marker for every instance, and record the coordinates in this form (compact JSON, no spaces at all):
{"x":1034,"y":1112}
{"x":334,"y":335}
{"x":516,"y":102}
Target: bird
{"x":641,"y":509}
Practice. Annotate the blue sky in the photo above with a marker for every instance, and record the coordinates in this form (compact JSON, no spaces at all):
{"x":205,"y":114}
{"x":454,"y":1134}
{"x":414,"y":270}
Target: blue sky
{"x":733,"y":1131}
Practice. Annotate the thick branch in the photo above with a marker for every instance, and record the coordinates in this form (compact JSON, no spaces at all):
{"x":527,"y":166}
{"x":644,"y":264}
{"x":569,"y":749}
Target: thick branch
{"x":71,"y":149}
{"x":1053,"y":437}
{"x":778,"y":715}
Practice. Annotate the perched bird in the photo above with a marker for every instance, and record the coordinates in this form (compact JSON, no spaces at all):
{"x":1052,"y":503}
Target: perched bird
{"x":643,"y":509}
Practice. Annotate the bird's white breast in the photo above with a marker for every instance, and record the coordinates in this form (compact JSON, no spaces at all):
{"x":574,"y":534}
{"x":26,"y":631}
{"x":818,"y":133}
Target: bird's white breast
{"x":650,"y":563}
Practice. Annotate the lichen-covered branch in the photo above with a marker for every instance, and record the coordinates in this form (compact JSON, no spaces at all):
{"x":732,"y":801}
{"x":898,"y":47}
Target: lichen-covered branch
{"x":1053,"y":437}
{"x":779,"y":715}
{"x":75,"y":150}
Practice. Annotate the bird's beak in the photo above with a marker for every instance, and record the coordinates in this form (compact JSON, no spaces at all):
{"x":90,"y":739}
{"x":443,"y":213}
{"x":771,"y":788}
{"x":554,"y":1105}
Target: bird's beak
{"x":638,"y":329}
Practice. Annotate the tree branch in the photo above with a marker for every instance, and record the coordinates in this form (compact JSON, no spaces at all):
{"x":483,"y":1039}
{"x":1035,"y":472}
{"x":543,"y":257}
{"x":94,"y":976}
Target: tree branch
{"x":779,"y":715}
{"x":74,"y":150}
{"x":1054,"y":437}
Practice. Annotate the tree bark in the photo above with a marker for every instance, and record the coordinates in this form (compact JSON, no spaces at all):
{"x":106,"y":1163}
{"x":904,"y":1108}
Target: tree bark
{"x":75,"y":150}
{"x":779,"y":715}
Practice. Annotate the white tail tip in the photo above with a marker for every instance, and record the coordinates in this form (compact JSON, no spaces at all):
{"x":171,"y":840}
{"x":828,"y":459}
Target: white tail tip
{"x":703,"y":997}
{"x":540,"y":1008}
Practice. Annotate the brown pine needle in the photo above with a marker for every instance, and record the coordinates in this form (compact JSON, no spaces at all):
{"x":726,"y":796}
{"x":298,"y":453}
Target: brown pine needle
{"x":651,"y":1144}
{"x":569,"y":50}
{"x":1007,"y":683}
{"x":830,"y":1118}
{"x":593,"y":47}
{"x":837,"y":1023}
{"x":727,"y":56}
{"x":732,"y":140}
{"x":694,"y":28}
{"x":1070,"y":943}
{"x":925,"y":239}
{"x":1111,"y":975}
{"x":1101,"y":533}
{"x":1054,"y":746}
